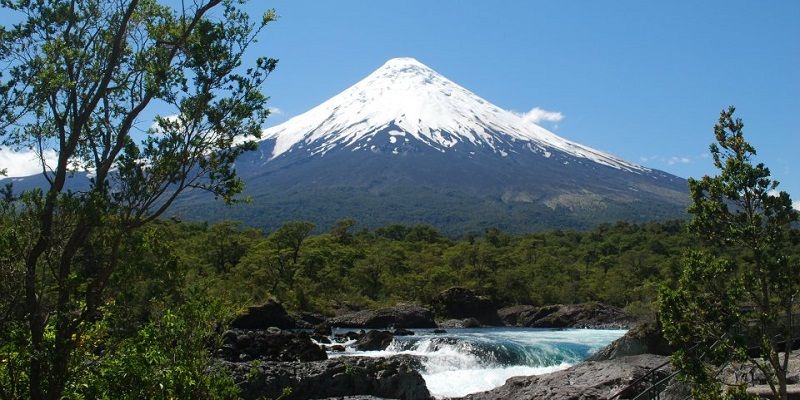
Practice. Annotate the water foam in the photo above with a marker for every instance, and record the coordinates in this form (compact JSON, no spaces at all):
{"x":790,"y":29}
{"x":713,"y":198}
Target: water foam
{"x":465,"y":361}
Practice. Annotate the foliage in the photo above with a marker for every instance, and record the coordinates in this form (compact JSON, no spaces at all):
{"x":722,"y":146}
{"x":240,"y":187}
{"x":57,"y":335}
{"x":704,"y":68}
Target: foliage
{"x":621,"y":264}
{"x":78,"y":77}
{"x":742,"y":304}
{"x":168,"y":357}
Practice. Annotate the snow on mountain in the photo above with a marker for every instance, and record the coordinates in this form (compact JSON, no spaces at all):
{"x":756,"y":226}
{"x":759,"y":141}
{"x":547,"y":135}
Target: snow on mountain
{"x":413,"y":101}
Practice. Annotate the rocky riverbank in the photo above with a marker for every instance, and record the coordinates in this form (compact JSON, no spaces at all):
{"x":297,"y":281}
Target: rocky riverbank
{"x":274,"y":354}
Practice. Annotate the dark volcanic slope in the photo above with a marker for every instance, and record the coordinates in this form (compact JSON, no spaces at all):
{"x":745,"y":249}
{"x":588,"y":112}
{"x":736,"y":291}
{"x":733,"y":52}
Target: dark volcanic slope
{"x":407,"y":145}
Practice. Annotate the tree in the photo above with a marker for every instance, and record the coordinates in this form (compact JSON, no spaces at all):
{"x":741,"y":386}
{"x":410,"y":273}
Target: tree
{"x":743,"y":303}
{"x":79,"y":76}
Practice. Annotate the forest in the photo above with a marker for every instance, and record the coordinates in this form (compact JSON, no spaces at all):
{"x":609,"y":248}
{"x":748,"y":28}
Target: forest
{"x":179,"y":282}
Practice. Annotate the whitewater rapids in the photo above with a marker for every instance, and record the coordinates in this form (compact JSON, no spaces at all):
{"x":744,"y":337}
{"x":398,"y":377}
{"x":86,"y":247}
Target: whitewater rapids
{"x":464,"y":361}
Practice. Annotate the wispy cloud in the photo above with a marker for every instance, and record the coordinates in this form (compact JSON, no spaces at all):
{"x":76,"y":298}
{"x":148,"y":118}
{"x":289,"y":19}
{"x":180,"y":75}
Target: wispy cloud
{"x":275,"y":111}
{"x":669,"y":160}
{"x":24,"y":163}
{"x":537,"y":115}
{"x":796,"y":205}
{"x":678,"y":160}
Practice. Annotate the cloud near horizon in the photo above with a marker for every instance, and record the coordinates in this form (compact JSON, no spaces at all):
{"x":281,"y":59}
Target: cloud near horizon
{"x":23,"y":163}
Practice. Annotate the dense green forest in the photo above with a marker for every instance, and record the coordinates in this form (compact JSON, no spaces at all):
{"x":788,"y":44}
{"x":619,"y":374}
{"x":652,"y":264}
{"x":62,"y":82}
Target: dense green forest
{"x":621,"y":264}
{"x":178,"y":283}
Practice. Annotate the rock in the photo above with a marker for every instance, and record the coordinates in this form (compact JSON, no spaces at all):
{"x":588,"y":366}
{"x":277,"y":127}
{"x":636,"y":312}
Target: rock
{"x":401,"y":316}
{"x":240,"y":344}
{"x":264,"y":316}
{"x":402,"y":332}
{"x":644,"y":338}
{"x":338,"y":348}
{"x":511,"y":315}
{"x":374,"y":340}
{"x":437,"y":331}
{"x":321,"y":338}
{"x":307,"y":320}
{"x":393,"y":378}
{"x":323,"y":328}
{"x":585,"y":315}
{"x":460,"y":303}
{"x":585,"y":381}
{"x":461,"y":323}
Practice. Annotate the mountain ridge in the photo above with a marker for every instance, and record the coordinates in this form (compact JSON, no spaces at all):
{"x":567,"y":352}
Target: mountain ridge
{"x":406,"y":145}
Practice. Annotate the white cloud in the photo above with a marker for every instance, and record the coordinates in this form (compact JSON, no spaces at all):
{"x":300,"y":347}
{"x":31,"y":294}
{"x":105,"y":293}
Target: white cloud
{"x":536,"y":115}
{"x":678,"y":160}
{"x":24,"y":163}
{"x":671,"y":160}
{"x":275,"y":111}
{"x":796,"y":205}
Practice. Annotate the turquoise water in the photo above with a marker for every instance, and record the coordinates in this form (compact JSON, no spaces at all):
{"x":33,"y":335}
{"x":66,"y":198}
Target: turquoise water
{"x":464,"y":361}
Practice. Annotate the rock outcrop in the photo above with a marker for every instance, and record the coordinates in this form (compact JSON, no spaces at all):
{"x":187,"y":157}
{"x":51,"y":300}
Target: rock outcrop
{"x":264,"y":316}
{"x":461,"y":303}
{"x":584,"y":315}
{"x":584,"y":381}
{"x":393,"y":378}
{"x":644,"y":338}
{"x":401,"y":316}
{"x":374,"y":340}
{"x":307,"y":320}
{"x":460,"y":323}
{"x":270,"y":345}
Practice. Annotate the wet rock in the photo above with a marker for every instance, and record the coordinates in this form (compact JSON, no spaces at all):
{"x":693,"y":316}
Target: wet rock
{"x":393,"y":378}
{"x":323,"y":328}
{"x":374,"y":340}
{"x":644,"y":338}
{"x":401,"y":316}
{"x":244,"y":345}
{"x":307,"y":320}
{"x":321,"y":338}
{"x":585,"y":315}
{"x":337,"y":348}
{"x":584,"y":381}
{"x":461,"y":303}
{"x":512,"y":316}
{"x":460,"y":323}
{"x":437,"y":331}
{"x":402,"y":332}
{"x":264,"y":316}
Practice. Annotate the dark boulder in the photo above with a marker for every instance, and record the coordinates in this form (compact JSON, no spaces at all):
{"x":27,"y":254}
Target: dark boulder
{"x":585,"y":315}
{"x":645,"y":338}
{"x":511,"y":316}
{"x":337,"y":348}
{"x":321,"y":338}
{"x":323,"y":328}
{"x":402,"y":332}
{"x":264,"y":316}
{"x":584,"y":381}
{"x":307,"y":320}
{"x":460,"y":323}
{"x":461,"y":303}
{"x":401,"y":316}
{"x":393,"y":378}
{"x":374,"y":340}
{"x":272,"y":345}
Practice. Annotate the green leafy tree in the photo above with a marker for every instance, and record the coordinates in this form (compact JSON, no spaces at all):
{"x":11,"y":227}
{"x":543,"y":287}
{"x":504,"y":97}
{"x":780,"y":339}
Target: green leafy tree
{"x":735,"y":303}
{"x":78,"y":78}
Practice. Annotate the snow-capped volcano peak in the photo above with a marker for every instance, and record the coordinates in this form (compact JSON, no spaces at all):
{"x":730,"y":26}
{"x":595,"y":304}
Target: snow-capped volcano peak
{"x":410,"y":101}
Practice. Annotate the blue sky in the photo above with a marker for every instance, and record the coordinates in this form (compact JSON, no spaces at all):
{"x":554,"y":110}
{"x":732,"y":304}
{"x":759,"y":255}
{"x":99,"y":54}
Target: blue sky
{"x":642,"y":80}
